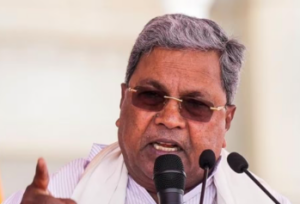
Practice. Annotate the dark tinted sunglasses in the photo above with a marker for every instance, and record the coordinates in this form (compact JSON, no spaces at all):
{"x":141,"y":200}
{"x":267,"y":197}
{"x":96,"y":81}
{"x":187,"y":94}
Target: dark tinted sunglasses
{"x":154,"y":100}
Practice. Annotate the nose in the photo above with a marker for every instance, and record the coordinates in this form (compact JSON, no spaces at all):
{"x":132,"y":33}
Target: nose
{"x":170,"y":115}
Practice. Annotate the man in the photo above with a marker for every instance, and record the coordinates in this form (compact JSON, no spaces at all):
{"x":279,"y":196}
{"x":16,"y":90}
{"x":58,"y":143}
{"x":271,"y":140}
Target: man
{"x":177,"y":98}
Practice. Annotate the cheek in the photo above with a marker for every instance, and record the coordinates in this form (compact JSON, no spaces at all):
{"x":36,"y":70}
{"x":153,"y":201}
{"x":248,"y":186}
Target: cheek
{"x":132,"y":124}
{"x":209,"y":135}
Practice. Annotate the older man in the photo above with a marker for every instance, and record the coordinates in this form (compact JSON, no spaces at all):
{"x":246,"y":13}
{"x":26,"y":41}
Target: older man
{"x":177,"y":98}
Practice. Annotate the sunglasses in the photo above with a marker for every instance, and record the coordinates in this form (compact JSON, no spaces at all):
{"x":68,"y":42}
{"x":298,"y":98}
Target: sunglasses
{"x":151,"y":99}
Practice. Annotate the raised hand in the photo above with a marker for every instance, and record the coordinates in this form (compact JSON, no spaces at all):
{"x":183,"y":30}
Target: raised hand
{"x":37,"y":193}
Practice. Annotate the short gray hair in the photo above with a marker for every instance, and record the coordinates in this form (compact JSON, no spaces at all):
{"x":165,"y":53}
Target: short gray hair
{"x":178,"y":31}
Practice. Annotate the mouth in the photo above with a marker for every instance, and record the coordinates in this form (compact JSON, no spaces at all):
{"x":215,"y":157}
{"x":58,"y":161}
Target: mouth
{"x":166,"y":146}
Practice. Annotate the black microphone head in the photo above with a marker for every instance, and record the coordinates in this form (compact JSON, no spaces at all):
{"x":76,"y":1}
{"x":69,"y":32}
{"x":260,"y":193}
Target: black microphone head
{"x":237,"y":162}
{"x":207,"y":159}
{"x":168,"y":172}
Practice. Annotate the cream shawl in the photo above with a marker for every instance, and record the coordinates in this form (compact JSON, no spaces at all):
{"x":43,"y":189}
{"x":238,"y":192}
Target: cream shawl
{"x":105,"y":182}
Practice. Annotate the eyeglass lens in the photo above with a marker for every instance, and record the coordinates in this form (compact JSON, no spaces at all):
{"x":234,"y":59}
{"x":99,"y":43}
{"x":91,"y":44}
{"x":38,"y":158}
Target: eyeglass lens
{"x":153,"y":100}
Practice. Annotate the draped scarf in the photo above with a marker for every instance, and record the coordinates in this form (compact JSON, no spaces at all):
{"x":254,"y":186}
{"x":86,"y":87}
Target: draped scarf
{"x":105,"y":181}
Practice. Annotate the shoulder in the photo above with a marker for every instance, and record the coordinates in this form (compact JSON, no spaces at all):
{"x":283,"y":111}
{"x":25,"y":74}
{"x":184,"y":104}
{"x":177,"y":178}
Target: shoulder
{"x":70,"y":174}
{"x":63,"y":182}
{"x":14,"y":198}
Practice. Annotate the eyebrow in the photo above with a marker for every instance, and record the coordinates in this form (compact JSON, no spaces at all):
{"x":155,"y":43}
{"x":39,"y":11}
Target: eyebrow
{"x":154,"y":83}
{"x":195,"y":94}
{"x":192,"y":94}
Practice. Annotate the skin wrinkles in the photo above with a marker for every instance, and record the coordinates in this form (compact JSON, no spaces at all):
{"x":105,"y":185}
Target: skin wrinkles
{"x":181,"y":69}
{"x":138,"y":128}
{"x":179,"y":65}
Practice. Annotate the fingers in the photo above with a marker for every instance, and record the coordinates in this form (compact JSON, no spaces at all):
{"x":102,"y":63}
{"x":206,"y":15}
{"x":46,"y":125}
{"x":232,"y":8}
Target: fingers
{"x":45,"y":199}
{"x":37,"y":193}
{"x":41,"y":178}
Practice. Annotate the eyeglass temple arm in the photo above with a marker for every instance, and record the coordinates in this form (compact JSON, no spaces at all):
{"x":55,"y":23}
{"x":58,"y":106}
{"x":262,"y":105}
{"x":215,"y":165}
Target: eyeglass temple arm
{"x":217,"y":108}
{"x":131,"y":89}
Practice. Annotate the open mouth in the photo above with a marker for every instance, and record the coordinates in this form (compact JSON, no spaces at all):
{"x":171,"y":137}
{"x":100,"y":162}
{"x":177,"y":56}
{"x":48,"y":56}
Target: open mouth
{"x":165,"y":146}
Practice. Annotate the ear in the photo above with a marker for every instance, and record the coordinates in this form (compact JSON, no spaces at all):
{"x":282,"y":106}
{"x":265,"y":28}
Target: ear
{"x":123,"y":90}
{"x":230,"y":110}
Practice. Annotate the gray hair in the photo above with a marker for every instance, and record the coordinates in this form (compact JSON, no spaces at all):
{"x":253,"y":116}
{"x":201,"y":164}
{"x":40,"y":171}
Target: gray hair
{"x":178,"y":31}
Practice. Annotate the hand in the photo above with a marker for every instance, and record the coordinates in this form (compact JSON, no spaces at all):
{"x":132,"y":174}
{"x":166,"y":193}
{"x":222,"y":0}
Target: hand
{"x":37,"y":193}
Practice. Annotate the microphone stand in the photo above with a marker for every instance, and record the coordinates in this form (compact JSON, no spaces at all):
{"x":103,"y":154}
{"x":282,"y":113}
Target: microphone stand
{"x":261,"y":186}
{"x":204,"y":184}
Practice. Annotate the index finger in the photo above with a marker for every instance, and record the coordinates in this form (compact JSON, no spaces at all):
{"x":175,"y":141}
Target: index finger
{"x":41,"y":178}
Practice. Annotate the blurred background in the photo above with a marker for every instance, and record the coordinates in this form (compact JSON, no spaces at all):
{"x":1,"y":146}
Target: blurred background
{"x":62,"y":63}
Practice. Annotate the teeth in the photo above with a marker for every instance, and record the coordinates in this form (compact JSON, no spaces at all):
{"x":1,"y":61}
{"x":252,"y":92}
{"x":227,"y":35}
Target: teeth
{"x":166,"y":149}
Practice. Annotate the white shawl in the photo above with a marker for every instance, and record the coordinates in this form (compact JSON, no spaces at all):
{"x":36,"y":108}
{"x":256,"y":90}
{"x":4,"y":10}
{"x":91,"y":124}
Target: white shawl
{"x":105,"y":182}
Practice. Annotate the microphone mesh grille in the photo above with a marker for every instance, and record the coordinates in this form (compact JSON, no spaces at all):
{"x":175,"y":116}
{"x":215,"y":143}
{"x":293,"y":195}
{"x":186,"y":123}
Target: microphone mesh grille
{"x":169,"y":180}
{"x":168,"y":162}
{"x":207,"y":159}
{"x":164,"y":179}
{"x":237,"y":162}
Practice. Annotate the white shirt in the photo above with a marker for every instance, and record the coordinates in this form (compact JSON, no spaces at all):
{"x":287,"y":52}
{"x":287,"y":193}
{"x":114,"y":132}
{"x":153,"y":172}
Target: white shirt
{"x":63,"y":183}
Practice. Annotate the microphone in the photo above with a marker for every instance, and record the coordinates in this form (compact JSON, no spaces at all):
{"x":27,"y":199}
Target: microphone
{"x":239,"y":164}
{"x":169,"y":178}
{"x":207,"y":160}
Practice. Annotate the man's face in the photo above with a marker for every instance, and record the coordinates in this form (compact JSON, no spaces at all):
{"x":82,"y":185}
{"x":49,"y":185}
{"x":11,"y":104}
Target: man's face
{"x":144,"y":135}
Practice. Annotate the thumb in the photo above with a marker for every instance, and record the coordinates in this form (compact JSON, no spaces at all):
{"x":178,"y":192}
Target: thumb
{"x":41,"y":178}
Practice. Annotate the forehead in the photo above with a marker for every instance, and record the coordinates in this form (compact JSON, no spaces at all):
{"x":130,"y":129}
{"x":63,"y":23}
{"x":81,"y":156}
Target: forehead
{"x":180,"y":70}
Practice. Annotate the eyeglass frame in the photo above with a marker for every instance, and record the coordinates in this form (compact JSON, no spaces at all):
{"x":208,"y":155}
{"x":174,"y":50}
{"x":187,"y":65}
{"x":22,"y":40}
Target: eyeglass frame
{"x":213,"y":108}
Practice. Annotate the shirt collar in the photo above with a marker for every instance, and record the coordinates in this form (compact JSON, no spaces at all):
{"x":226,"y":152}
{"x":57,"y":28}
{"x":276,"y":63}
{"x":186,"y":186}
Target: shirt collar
{"x":197,"y":189}
{"x":189,"y":195}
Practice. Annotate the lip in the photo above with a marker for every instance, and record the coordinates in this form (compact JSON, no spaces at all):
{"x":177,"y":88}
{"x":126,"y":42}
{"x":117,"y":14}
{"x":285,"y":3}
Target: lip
{"x":154,"y":153}
{"x":167,"y":141}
